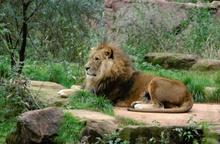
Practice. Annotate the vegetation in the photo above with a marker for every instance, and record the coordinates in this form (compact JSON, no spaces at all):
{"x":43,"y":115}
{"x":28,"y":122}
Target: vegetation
{"x":69,"y":130}
{"x":148,"y":28}
{"x":50,"y":40}
{"x":86,"y":100}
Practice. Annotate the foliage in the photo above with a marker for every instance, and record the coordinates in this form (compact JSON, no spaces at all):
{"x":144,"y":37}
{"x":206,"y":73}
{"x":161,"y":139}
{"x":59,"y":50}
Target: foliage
{"x":86,"y":100}
{"x":5,"y":127}
{"x":15,"y":99}
{"x":4,"y":66}
{"x":215,"y":97}
{"x":69,"y":129}
{"x":111,"y":139}
{"x":45,"y":29}
{"x":64,"y":73}
{"x":148,"y":28}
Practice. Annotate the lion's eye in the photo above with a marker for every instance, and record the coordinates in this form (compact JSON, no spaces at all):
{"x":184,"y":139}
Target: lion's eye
{"x":96,"y":59}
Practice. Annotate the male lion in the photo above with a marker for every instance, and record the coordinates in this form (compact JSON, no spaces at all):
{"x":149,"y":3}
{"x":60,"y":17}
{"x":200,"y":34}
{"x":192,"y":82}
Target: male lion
{"x":110,"y":73}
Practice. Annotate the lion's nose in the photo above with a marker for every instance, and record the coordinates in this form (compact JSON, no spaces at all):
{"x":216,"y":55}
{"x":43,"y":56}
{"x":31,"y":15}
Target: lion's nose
{"x":87,"y":68}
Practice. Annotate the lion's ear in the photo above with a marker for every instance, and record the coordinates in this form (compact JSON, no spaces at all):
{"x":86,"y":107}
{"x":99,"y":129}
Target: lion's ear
{"x":108,"y":53}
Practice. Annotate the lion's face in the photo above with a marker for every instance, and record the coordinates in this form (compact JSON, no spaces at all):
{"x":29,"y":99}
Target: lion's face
{"x":100,"y":61}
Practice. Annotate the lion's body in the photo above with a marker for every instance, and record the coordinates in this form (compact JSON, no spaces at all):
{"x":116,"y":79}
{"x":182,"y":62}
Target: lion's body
{"x":110,"y":73}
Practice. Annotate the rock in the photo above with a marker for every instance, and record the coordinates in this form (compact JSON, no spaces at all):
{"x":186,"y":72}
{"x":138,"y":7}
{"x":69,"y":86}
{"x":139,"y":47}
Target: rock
{"x":65,"y":93}
{"x":46,"y":84}
{"x":97,"y":124}
{"x":38,"y":126}
{"x":171,"y":60}
{"x":46,"y":92}
{"x":206,"y":65}
{"x":177,"y":12}
{"x":155,"y":134}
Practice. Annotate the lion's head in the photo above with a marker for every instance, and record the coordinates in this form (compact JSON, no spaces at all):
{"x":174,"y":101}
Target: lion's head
{"x":107,"y":60}
{"x":107,"y":69}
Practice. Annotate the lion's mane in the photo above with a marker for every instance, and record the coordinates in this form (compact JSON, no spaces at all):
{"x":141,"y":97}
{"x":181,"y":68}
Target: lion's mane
{"x":116,"y":74}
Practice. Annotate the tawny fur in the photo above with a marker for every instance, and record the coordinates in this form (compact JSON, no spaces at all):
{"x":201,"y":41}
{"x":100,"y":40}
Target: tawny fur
{"x":111,"y":74}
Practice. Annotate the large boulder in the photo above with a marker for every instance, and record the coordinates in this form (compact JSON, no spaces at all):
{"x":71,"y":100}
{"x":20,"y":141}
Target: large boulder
{"x":36,"y":127}
{"x":171,"y":60}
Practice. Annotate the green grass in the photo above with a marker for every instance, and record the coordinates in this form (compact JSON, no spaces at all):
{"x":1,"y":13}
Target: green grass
{"x":123,"y":121}
{"x":86,"y":100}
{"x":69,"y":129}
{"x":5,"y":127}
{"x":63,"y":73}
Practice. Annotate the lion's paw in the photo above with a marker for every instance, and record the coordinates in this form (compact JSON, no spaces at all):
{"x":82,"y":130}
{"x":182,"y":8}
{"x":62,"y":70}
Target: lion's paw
{"x":65,"y":93}
{"x":133,"y":104}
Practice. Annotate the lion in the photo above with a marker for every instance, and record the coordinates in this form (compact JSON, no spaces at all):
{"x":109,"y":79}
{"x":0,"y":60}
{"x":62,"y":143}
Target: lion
{"x":110,"y":73}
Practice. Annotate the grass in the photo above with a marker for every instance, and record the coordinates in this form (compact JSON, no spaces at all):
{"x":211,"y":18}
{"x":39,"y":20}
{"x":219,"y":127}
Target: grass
{"x":123,"y":121}
{"x":69,"y":130}
{"x":5,"y":127}
{"x":63,"y":73}
{"x":86,"y":100}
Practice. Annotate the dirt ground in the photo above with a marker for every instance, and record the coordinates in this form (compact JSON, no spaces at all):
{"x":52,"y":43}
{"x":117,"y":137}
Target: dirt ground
{"x":199,"y":112}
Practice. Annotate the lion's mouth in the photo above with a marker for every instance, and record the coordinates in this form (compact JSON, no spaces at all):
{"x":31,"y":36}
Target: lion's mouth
{"x":89,"y":74}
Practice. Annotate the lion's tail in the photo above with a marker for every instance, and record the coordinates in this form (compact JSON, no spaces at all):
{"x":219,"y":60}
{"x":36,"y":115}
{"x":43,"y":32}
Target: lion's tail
{"x":183,"y":109}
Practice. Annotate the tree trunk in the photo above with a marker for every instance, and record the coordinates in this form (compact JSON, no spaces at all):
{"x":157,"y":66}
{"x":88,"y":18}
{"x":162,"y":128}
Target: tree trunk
{"x":24,"y":38}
